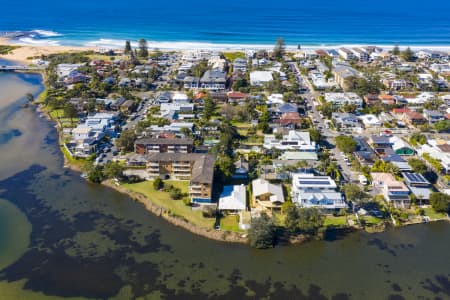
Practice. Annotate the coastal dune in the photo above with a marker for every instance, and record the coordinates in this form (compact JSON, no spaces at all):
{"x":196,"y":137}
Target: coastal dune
{"x":25,"y":52}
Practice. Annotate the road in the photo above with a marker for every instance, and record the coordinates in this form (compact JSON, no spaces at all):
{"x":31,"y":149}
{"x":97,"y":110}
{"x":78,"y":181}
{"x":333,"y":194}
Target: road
{"x":319,"y":123}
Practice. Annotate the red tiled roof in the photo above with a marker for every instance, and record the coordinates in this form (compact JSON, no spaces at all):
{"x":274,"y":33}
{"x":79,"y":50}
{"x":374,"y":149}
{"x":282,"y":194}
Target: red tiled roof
{"x":400,"y":110}
{"x":414,"y":115}
{"x":236,"y":95}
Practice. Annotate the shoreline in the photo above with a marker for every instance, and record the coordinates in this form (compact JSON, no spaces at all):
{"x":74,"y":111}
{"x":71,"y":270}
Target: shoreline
{"x":38,"y":48}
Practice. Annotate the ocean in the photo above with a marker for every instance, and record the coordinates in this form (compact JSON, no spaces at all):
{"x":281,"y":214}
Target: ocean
{"x":230,"y":24}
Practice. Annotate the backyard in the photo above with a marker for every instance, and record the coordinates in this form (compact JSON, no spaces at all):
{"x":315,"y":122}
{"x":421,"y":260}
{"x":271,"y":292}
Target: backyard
{"x":176,"y":207}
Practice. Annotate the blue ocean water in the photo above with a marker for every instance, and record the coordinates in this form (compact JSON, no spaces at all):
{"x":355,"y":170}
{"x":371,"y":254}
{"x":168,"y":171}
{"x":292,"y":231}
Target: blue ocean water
{"x":325,"y":22}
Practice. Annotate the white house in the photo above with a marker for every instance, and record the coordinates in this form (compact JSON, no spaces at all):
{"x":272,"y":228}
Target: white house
{"x":309,"y":190}
{"x":266,"y":194}
{"x":339,"y":99}
{"x":370,"y":120}
{"x":294,"y":140}
{"x":258,"y":78}
{"x":233,"y":198}
{"x":275,"y":99}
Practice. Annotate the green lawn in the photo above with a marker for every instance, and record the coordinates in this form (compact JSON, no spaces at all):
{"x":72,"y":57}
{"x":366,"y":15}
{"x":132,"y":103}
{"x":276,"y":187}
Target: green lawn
{"x":371,"y":220}
{"x":231,"y":56}
{"x":230,"y":223}
{"x":430,"y":212}
{"x":335,"y":221}
{"x":177,"y":207}
{"x":58,"y":116}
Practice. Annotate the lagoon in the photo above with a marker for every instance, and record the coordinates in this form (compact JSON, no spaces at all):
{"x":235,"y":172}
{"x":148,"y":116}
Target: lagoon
{"x":90,"y":242}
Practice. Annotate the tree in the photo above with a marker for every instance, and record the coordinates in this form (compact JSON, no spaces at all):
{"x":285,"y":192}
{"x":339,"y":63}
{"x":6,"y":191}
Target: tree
{"x":418,"y":165}
{"x":113,"y":170}
{"x":264,"y":120}
{"x":326,"y":109}
{"x":440,"y":202}
{"x":126,"y":140}
{"x":417,"y":138}
{"x":443,"y":126}
{"x":354,"y":193}
{"x":310,"y":219}
{"x":291,"y":218}
{"x":408,"y":55}
{"x":315,"y":135}
{"x":158,"y":184}
{"x":396,"y":50}
{"x":345,"y":143}
{"x":261,"y":234}
{"x":70,"y":111}
{"x":95,"y":174}
{"x":225,"y":165}
{"x":208,"y":108}
{"x":279,"y":49}
{"x":127,"y":47}
{"x":143,"y":48}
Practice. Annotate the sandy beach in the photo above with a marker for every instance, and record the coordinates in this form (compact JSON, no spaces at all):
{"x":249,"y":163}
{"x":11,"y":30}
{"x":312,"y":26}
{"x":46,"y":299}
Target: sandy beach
{"x":25,"y":52}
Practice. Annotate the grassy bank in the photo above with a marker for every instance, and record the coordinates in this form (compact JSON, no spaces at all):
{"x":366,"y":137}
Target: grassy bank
{"x":176,"y":207}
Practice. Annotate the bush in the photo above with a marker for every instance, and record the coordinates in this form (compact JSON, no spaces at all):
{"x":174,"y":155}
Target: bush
{"x":158,"y":184}
{"x":209,"y":212}
{"x":176,"y":194}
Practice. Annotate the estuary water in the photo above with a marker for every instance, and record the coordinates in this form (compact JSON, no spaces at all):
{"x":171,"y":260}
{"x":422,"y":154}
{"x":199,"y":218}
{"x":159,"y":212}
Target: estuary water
{"x":61,"y":237}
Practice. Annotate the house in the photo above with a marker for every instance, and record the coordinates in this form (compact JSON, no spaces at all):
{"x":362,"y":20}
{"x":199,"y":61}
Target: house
{"x":414,"y":118}
{"x":371,"y":99}
{"x":284,"y":108}
{"x":401,"y":147}
{"x":387,"y":99}
{"x":346,"y":54}
{"x":241,"y":169}
{"x":180,"y":98}
{"x":397,"y":160}
{"x":433,"y":116}
{"x":439,"y":150}
{"x":360,"y":54}
{"x":380,"y":143}
{"x":162,"y":145}
{"x":343,"y":74}
{"x":370,"y":120}
{"x":340,"y":99}
{"x":345,"y":120}
{"x":267,"y":195}
{"x":395,"y":84}
{"x":418,"y":185}
{"x":236,"y":97}
{"x":290,"y":119}
{"x":177,"y":107}
{"x":240,"y":64}
{"x":309,"y":190}
{"x":195,"y":167}
{"x":364,"y":154}
{"x":191,"y":82}
{"x":128,"y":106}
{"x":258,"y":78}
{"x":294,"y":140}
{"x":394,"y":191}
{"x":233,"y":199}
{"x":214,"y":80}
{"x":275,"y":99}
